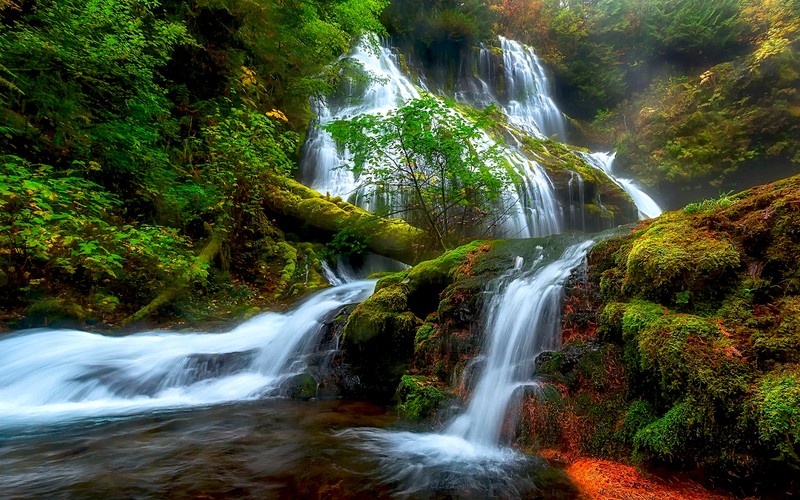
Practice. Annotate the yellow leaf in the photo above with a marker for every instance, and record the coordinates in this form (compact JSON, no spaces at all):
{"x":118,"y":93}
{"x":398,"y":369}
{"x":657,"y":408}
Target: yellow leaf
{"x":277,"y":114}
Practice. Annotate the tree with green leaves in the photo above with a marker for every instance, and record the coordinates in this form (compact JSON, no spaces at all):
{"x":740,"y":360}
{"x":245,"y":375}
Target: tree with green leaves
{"x":431,"y":164}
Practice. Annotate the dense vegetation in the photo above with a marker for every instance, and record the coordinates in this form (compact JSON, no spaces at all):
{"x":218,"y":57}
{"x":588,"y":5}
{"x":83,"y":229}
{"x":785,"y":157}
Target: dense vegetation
{"x":133,"y":130}
{"x":680,"y":343}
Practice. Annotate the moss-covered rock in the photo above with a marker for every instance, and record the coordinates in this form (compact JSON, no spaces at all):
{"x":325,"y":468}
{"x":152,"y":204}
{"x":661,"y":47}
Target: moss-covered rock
{"x":672,"y":261}
{"x":606,"y":204}
{"x":390,"y":237}
{"x":418,"y":397}
{"x":696,"y":313}
{"x":55,"y":313}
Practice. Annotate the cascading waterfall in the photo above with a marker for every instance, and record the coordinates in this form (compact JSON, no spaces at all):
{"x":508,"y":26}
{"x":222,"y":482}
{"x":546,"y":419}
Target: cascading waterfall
{"x":577,"y":200}
{"x":647,"y":207}
{"x":535,"y":211}
{"x":524,"y":321}
{"x":56,"y":375}
{"x":530,"y":106}
{"x":524,"y":316}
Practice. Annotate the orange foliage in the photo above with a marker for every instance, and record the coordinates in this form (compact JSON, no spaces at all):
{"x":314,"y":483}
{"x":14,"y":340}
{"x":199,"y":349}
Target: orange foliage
{"x":603,"y":479}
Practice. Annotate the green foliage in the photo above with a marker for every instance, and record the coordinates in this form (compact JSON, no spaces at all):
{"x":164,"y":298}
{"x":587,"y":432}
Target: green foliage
{"x":89,"y":84}
{"x":639,"y":415}
{"x":348,"y":241}
{"x":701,"y":131}
{"x":279,"y":53}
{"x":425,"y":159}
{"x":59,"y":222}
{"x":246,"y":150}
{"x":667,"y":437}
{"x":605,"y":50}
{"x":723,"y":201}
{"x":445,"y":27}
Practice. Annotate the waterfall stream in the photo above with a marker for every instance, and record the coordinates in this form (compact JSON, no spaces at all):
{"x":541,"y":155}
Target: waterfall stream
{"x":523,"y":320}
{"x":529,"y":104}
{"x":648,"y":208}
{"x":56,"y":375}
{"x":535,"y":209}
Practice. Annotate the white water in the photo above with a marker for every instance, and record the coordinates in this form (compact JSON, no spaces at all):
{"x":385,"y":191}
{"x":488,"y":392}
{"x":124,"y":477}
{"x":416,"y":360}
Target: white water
{"x":647,"y":207}
{"x":55,"y":375}
{"x":523,"y":320}
{"x":530,"y":106}
{"x":321,"y":165}
{"x":533,"y":211}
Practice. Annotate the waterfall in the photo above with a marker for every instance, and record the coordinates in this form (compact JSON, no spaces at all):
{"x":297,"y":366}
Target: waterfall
{"x":647,"y":207}
{"x":55,"y":375}
{"x":529,"y":105}
{"x":534,"y":209}
{"x":577,"y":200}
{"x":523,"y":320}
{"x":321,"y":165}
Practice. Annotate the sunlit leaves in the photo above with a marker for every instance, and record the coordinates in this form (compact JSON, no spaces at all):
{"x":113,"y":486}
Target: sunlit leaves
{"x":431,"y":163}
{"x":60,"y":222}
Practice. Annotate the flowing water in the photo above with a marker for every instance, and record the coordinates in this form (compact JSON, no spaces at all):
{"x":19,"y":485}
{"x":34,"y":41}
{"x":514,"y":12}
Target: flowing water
{"x":648,"y":208}
{"x":534,"y":210}
{"x":523,"y":320}
{"x":529,"y":105}
{"x":322,"y":165}
{"x":57,"y":375}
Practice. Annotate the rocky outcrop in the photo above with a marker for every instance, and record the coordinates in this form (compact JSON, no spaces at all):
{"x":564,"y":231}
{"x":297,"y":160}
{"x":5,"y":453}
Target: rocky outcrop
{"x":681,"y":346}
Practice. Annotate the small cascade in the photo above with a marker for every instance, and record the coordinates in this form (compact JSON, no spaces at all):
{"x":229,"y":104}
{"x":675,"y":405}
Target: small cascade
{"x":345,"y":271}
{"x":523,"y":320}
{"x":474,"y":87}
{"x":56,"y":375}
{"x":577,"y":201}
{"x":648,"y":208}
{"x":536,"y":211}
{"x":529,"y":105}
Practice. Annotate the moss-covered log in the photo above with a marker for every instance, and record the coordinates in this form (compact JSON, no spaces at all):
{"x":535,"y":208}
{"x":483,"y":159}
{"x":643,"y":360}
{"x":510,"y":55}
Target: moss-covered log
{"x":388,"y":237}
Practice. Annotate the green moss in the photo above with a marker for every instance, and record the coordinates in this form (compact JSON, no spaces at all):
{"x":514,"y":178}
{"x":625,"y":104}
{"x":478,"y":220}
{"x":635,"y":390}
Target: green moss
{"x":666,"y":438}
{"x":639,"y":415}
{"x":609,"y":326}
{"x":418,"y":397}
{"x":777,"y":412}
{"x":391,"y":298}
{"x":781,"y":342}
{"x":672,"y":257}
{"x":54,"y":312}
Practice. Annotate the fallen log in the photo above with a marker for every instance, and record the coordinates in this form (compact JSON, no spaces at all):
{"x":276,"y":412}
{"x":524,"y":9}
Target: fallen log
{"x":389,"y":237}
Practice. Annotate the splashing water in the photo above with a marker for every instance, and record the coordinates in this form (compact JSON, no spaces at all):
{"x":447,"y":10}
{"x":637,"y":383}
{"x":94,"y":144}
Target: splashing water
{"x":55,"y":375}
{"x":530,"y":106}
{"x":321,"y":164}
{"x":534,"y":209}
